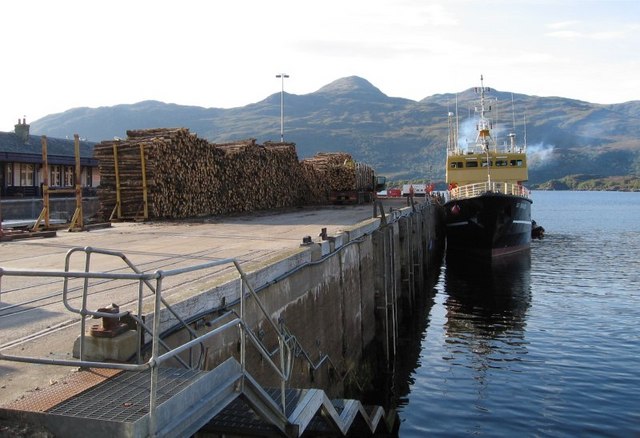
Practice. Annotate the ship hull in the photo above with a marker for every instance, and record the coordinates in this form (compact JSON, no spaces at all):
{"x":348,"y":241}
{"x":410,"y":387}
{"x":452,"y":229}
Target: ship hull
{"x":489,"y":225}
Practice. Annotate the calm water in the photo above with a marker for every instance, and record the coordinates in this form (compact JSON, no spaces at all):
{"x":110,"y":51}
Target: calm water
{"x":542,"y":345}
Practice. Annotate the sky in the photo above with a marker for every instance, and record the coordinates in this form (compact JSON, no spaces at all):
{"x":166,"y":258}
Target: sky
{"x":63,"y":54}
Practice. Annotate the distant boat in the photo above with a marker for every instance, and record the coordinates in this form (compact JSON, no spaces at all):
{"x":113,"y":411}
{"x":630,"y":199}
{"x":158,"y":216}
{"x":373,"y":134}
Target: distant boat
{"x":487,"y":209}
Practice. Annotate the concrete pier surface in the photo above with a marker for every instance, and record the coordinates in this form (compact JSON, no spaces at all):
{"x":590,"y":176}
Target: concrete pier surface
{"x":33,"y":321}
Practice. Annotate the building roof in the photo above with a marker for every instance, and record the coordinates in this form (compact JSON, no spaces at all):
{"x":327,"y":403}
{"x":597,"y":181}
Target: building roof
{"x":59,"y":151}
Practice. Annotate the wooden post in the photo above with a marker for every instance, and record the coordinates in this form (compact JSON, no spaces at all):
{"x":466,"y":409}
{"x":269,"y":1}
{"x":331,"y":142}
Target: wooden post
{"x":44,"y":214}
{"x":118,"y":208}
{"x":77,"y":222}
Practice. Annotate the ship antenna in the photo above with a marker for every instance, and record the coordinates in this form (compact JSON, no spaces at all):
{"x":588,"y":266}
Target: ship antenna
{"x":524,"y":121}
{"x":457,"y":123}
{"x":513,"y":112}
{"x":512,"y":134}
{"x":497,"y":117}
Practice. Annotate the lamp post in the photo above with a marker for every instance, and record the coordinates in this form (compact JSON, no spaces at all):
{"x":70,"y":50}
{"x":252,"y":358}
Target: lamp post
{"x":282,"y":76}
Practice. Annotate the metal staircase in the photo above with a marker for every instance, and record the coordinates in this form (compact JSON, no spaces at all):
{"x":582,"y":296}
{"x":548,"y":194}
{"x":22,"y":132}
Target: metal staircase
{"x":151,"y":399}
{"x":224,"y":401}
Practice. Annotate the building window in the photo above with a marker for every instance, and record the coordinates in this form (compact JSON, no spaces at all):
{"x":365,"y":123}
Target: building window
{"x":54,"y":180}
{"x":68,"y":176}
{"x":26,"y":175}
{"x":89,"y":180}
{"x":9,"y":174}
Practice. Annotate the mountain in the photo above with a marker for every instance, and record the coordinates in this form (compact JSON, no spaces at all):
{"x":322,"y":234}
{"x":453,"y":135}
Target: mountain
{"x":400,"y":137}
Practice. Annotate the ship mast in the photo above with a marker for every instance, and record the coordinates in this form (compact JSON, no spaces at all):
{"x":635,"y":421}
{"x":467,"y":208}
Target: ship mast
{"x":452,"y":134}
{"x":512,"y":134}
{"x":452,"y":139}
{"x":484,"y":127}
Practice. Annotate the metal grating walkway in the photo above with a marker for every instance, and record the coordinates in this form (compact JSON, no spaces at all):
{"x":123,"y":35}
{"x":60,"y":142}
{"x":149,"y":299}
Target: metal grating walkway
{"x":125,"y":397}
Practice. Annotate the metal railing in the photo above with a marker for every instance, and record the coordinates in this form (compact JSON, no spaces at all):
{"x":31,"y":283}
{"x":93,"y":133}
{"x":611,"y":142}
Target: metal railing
{"x":478,"y":189}
{"x":283,"y":369}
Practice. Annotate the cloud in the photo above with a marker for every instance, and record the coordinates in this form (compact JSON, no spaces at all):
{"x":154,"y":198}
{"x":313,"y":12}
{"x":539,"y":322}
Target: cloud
{"x":608,"y":35}
{"x":567,"y":30}
{"x":565,"y":34}
{"x":563,"y":24}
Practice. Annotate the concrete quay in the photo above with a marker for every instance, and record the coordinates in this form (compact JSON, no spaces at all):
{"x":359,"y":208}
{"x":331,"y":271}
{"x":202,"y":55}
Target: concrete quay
{"x":33,"y":321}
{"x":336,"y":295}
{"x":32,"y":317}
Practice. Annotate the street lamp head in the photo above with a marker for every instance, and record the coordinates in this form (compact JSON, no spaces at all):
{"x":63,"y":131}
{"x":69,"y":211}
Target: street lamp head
{"x":282,"y":76}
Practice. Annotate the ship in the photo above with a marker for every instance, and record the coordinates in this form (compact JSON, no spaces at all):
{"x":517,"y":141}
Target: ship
{"x":487,"y":207}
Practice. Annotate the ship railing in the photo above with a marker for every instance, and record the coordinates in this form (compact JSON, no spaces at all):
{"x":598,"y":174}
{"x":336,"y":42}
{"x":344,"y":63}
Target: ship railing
{"x":479,"y":189}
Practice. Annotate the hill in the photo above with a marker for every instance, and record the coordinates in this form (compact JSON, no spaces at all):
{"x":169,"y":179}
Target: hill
{"x":400,"y":137}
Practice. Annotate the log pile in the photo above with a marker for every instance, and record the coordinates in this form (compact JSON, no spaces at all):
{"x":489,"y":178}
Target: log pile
{"x":339,"y":172}
{"x":187,"y":176}
{"x":336,"y":169}
{"x":258,"y":177}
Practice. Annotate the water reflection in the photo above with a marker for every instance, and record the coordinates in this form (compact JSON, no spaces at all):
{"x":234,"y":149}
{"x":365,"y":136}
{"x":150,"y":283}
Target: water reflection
{"x":486,"y":305}
{"x":393,"y":380}
{"x":495,"y":294}
{"x":482,"y":319}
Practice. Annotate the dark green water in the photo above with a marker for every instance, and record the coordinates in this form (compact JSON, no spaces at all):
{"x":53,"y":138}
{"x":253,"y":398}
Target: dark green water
{"x":545,"y":344}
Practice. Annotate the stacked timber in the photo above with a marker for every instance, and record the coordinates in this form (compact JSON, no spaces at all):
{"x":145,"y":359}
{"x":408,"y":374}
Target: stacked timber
{"x":185,"y":176}
{"x":337,"y":170}
{"x":258,"y":177}
{"x":315,"y":188}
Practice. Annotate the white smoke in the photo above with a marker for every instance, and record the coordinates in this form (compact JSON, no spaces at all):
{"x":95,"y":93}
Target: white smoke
{"x":466,"y":133}
{"x":539,"y":154}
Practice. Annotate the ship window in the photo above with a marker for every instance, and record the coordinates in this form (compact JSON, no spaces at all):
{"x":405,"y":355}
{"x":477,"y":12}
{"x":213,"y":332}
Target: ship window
{"x":456,"y":164}
{"x":484,"y":163}
{"x":472,"y":164}
{"x":517,"y":163}
{"x":501,"y":163}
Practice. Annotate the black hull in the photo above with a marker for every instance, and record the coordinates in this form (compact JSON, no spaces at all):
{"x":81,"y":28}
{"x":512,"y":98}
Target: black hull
{"x":489,"y":225}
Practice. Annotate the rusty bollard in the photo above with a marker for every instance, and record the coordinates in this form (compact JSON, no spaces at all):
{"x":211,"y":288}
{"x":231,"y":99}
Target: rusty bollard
{"x":110,"y":327}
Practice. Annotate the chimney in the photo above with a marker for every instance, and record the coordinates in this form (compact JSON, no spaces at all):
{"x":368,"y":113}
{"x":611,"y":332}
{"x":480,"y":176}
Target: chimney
{"x":22,"y":130}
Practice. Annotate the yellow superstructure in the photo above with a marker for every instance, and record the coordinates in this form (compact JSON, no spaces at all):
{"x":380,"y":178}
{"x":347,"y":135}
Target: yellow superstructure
{"x":470,"y":168}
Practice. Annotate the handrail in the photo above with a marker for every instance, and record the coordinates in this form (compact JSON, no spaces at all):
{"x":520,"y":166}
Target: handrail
{"x":88,"y":251}
{"x":477,"y":189}
{"x":300,"y":349}
{"x":283,"y":369}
